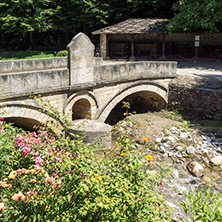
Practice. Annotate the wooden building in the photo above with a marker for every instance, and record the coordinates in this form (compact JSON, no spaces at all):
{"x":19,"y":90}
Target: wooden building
{"x":149,"y":39}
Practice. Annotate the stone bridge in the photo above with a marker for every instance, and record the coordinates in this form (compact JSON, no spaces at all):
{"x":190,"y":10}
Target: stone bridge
{"x":81,"y":85}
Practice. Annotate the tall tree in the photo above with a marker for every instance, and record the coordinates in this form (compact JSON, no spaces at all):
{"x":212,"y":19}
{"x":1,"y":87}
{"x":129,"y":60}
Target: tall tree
{"x":124,"y":9}
{"x":196,"y":16}
{"x":76,"y":15}
{"x":25,"y":16}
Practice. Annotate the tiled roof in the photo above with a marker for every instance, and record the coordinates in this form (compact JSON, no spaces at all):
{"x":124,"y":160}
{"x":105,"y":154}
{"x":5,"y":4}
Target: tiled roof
{"x":135,"y":26}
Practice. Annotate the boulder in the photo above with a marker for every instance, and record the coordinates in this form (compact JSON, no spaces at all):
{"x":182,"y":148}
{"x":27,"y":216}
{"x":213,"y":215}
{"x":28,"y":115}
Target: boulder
{"x":196,"y":169}
{"x":217,"y":160}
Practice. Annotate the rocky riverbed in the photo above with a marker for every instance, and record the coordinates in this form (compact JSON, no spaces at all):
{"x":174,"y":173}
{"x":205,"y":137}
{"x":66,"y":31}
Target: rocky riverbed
{"x":194,"y":157}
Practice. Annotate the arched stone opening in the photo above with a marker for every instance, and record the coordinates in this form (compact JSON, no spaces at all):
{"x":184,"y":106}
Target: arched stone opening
{"x":140,"y":102}
{"x":81,"y":110}
{"x":24,"y":123}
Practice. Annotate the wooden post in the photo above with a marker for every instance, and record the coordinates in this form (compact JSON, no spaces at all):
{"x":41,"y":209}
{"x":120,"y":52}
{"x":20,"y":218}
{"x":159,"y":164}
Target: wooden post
{"x":132,"y":57}
{"x":163,"y":47}
{"x":104,"y":46}
{"x":107,"y":47}
{"x":196,"y":46}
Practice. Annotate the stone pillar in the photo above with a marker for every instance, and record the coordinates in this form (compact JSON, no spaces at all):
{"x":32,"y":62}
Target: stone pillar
{"x":103,"y":46}
{"x":80,"y":60}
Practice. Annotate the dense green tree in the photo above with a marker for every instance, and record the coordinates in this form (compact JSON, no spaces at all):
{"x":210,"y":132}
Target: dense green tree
{"x":79,"y":15}
{"x":25,"y":16}
{"x":124,"y":9}
{"x":197,"y":16}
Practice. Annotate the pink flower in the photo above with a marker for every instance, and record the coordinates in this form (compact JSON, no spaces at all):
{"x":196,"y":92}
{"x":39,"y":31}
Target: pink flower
{"x":155,"y":206}
{"x":33,"y":153}
{"x":36,"y":140}
{"x":26,"y":150}
{"x":39,"y":161}
{"x":19,"y":137}
{"x":34,"y":134}
{"x":160,"y":184}
{"x":21,"y":144}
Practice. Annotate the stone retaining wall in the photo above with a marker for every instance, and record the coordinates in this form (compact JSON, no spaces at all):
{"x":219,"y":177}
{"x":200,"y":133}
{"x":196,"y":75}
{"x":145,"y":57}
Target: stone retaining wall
{"x":203,"y":102}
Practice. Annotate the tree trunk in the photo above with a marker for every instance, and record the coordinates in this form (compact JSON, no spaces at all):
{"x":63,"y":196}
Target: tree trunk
{"x":3,"y":38}
{"x":31,"y":40}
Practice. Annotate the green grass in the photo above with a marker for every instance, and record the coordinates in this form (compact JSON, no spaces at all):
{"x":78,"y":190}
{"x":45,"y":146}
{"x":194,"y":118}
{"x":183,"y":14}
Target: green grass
{"x":13,"y":55}
{"x":210,"y":125}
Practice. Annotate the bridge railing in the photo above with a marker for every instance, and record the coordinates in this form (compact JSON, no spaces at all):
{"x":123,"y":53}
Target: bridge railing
{"x":134,"y":70}
{"x":13,"y":66}
{"x":78,"y":71}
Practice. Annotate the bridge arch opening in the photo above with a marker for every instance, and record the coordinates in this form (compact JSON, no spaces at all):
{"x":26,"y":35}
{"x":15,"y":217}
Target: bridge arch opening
{"x":24,"y":123}
{"x":140,"y":102}
{"x":81,"y":109}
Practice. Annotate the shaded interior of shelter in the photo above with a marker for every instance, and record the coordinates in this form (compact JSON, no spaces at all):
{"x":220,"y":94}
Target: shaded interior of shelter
{"x":161,"y":46}
{"x":24,"y":123}
{"x":140,"y":102}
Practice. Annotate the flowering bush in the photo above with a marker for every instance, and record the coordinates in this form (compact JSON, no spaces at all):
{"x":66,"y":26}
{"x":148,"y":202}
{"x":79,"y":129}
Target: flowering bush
{"x":57,"y":178}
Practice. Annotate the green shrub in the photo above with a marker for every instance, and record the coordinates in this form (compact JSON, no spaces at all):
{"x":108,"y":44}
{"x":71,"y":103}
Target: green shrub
{"x":9,"y":155}
{"x":58,"y":179}
{"x":203,"y":206}
{"x":62,"y":53}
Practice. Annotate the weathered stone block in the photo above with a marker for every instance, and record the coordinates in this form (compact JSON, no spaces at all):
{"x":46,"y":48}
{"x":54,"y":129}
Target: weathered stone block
{"x":81,"y":59}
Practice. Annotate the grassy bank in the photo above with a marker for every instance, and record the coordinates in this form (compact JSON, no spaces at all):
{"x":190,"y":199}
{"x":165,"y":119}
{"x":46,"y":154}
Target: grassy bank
{"x":13,"y":55}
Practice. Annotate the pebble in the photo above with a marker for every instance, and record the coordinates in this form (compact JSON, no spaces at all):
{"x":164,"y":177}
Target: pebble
{"x":162,"y":149}
{"x":190,"y":150}
{"x":171,"y":139}
{"x":158,"y":140}
{"x":179,"y":148}
{"x":183,"y":135}
{"x":170,"y":154}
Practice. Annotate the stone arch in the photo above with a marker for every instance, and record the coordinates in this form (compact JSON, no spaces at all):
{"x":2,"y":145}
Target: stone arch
{"x":78,"y":100}
{"x":153,"y":88}
{"x":24,"y":114}
{"x":81,"y":109}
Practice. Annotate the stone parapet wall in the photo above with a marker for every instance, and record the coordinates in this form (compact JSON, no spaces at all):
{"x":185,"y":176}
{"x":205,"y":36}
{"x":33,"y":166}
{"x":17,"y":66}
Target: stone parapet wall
{"x":13,"y":66}
{"x":27,"y":83}
{"x":203,"y":102}
{"x":135,"y":70}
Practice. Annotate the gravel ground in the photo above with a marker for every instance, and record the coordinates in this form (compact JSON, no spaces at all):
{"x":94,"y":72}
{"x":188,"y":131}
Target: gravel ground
{"x":204,"y":73}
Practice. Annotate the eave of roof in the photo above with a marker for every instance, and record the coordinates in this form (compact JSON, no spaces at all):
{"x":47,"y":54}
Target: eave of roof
{"x":135,"y":26}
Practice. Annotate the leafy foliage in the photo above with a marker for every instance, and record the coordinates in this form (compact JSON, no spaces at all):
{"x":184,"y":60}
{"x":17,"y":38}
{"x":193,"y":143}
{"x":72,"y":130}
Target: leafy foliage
{"x":203,"y":206}
{"x":56,"y":178}
{"x":197,"y":16}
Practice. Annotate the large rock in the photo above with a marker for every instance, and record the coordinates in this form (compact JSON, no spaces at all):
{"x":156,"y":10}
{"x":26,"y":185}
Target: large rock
{"x":93,"y":131}
{"x":217,"y":160}
{"x":196,"y":169}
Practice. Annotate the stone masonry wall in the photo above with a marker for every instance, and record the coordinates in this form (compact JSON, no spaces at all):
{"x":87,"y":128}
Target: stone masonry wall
{"x":25,"y":65}
{"x":206,"y":103}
